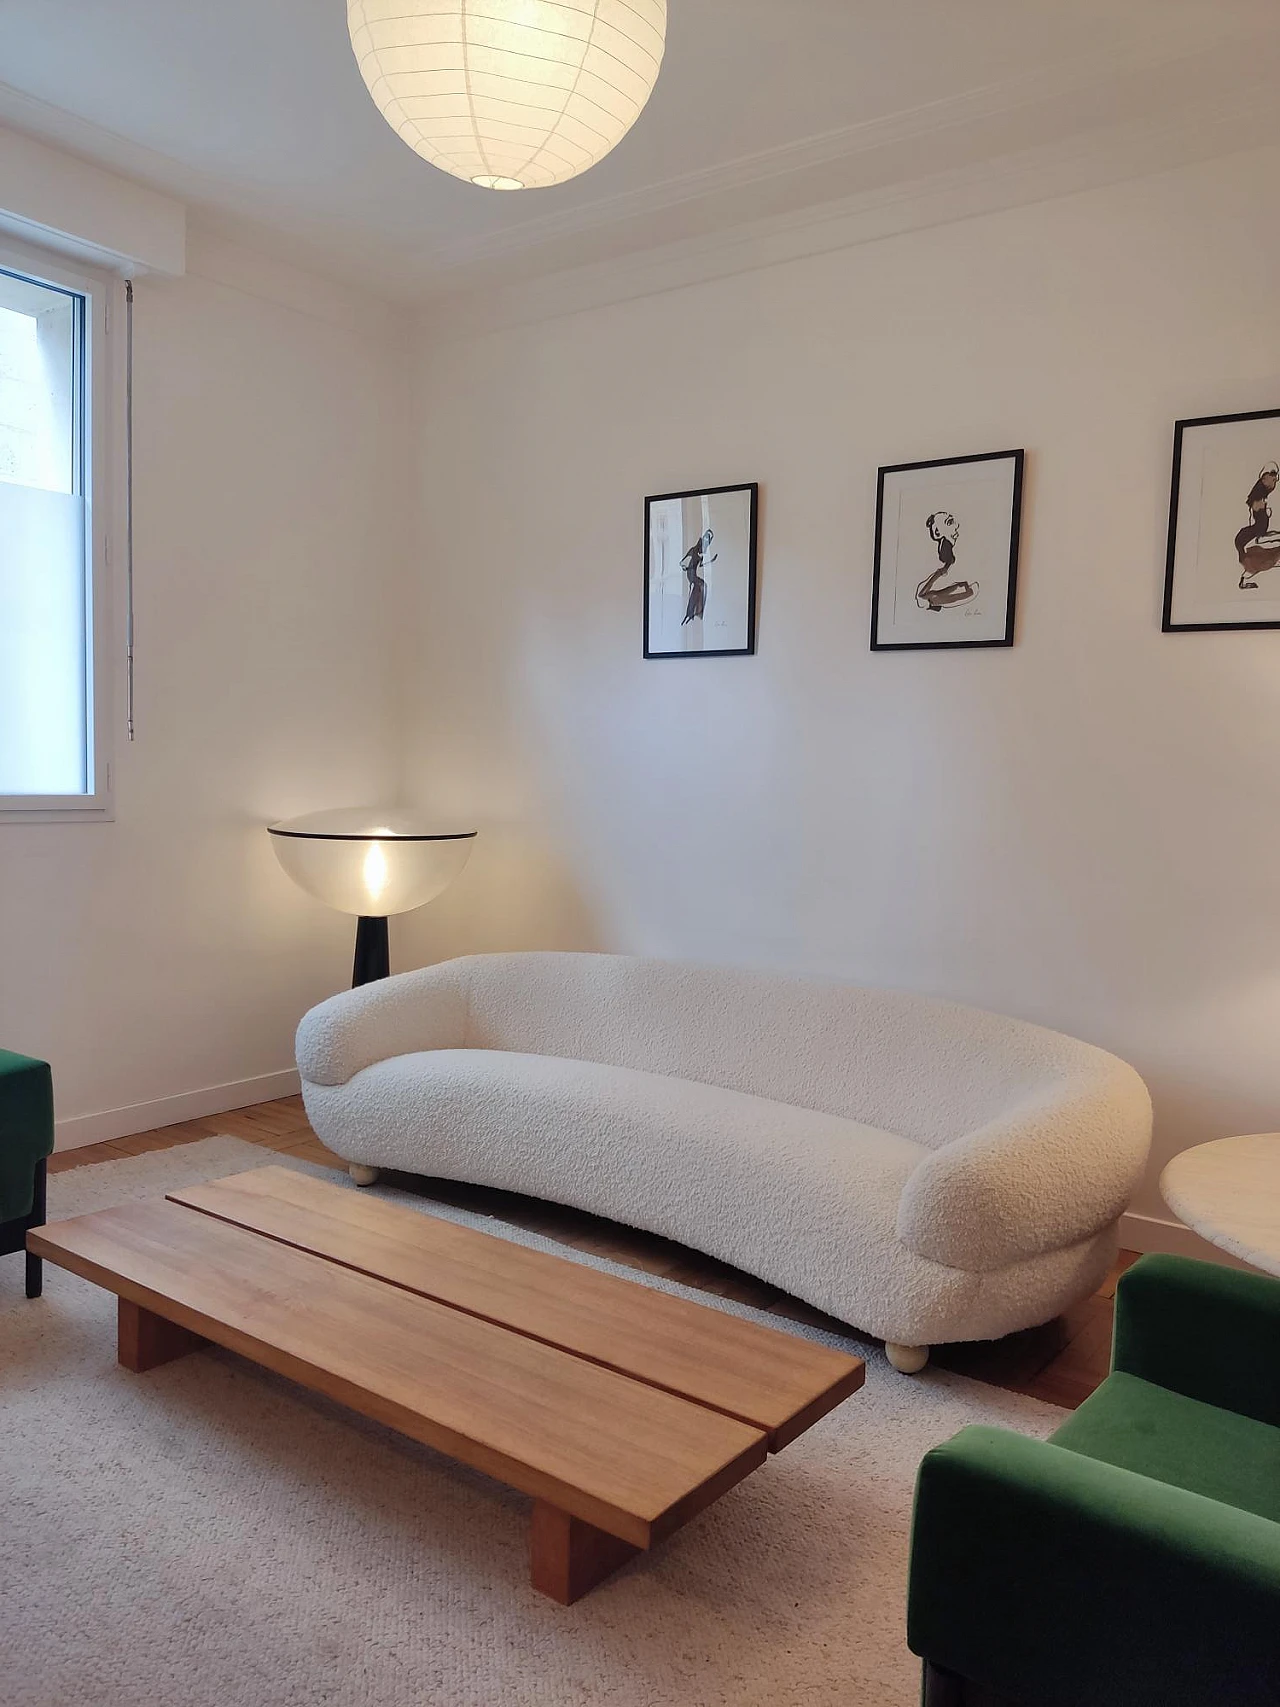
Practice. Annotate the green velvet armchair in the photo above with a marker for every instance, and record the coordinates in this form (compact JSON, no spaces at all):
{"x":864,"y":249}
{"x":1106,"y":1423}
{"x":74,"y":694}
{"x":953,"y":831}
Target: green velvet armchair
{"x":26,"y":1138}
{"x":1133,"y":1560}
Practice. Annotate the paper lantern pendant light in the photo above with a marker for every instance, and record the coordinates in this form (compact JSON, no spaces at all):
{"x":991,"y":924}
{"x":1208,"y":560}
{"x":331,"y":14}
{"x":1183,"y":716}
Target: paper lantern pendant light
{"x":509,"y":94}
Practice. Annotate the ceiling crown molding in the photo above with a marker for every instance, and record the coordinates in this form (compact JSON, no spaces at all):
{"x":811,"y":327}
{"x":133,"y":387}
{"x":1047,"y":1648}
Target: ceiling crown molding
{"x":1124,"y":153}
{"x":1085,"y":93}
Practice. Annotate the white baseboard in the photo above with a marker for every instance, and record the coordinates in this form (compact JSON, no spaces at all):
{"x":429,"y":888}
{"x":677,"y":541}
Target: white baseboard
{"x":1152,"y":1233}
{"x":83,"y":1129}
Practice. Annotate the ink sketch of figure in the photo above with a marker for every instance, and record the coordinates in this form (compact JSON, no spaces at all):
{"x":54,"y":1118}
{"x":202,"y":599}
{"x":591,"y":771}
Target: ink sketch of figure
{"x":1257,"y":547}
{"x":943,"y":588}
{"x":694,"y":560}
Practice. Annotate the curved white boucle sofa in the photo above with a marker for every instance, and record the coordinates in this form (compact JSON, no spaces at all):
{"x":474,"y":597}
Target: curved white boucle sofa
{"x":923,"y":1171}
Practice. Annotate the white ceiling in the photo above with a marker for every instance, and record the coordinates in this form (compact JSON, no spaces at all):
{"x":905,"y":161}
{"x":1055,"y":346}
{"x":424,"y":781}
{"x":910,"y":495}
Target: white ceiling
{"x":253,"y":112}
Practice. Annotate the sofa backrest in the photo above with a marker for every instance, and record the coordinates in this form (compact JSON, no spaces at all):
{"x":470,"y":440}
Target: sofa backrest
{"x":925,"y":1069}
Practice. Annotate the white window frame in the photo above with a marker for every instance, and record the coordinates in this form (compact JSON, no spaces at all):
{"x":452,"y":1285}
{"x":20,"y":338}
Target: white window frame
{"x":104,"y":313}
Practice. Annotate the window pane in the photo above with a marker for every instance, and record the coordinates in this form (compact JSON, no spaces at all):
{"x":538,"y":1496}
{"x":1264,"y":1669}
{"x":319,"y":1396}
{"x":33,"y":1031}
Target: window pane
{"x":45,"y":744}
{"x":37,"y":385}
{"x":43,"y":726}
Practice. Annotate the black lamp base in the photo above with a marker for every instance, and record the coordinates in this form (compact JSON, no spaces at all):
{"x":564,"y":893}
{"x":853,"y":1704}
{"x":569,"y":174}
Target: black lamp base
{"x":373,"y":957}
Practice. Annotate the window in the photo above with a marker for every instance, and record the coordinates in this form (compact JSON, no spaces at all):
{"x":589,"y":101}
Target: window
{"x":52,"y":755}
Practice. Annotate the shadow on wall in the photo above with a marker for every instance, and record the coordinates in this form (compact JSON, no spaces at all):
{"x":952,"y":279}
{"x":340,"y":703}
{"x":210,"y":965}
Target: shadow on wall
{"x":515,"y":893}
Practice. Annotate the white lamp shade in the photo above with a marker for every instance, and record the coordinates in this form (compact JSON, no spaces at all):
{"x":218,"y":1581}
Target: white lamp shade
{"x":509,"y":94}
{"x":368,"y":862}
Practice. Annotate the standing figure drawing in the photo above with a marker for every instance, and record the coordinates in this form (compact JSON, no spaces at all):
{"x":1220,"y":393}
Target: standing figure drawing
{"x":694,"y":560}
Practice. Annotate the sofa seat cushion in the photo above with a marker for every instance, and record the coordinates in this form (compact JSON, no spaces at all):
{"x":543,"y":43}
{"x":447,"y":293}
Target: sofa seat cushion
{"x":1170,"y":1438}
{"x":806,"y":1197}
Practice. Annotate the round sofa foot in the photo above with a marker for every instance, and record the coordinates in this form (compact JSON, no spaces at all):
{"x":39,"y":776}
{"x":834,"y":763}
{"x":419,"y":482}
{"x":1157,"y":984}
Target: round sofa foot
{"x":362,"y":1175}
{"x":907,"y":1359}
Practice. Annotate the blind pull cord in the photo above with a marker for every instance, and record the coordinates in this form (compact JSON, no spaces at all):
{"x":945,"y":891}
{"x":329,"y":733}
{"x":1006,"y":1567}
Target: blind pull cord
{"x":128,"y":502}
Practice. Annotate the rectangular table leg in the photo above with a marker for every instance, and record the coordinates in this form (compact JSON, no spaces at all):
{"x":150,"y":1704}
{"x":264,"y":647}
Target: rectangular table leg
{"x":568,"y":1557}
{"x":146,"y":1340}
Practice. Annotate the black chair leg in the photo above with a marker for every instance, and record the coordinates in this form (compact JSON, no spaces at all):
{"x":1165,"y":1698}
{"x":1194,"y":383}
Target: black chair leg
{"x":35,"y":1265}
{"x":942,"y":1688}
{"x":948,"y":1689}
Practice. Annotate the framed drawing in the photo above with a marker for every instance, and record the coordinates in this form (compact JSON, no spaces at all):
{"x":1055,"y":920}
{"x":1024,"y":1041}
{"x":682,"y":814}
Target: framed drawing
{"x":1222,"y":544}
{"x":700,"y":573}
{"x":946,"y":563}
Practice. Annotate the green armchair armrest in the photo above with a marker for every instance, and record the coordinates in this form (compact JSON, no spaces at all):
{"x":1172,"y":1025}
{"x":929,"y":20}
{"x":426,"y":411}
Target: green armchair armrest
{"x":1047,"y":1576}
{"x":26,"y":1129}
{"x":1209,"y":1332}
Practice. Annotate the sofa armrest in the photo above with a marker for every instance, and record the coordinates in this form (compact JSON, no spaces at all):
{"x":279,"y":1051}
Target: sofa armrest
{"x":1050,"y":1173}
{"x":1051,"y":1577}
{"x":393,"y":1016}
{"x":1198,"y":1328}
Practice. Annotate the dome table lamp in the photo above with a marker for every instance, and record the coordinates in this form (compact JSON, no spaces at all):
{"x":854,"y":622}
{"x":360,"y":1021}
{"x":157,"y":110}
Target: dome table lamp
{"x":372,"y":864}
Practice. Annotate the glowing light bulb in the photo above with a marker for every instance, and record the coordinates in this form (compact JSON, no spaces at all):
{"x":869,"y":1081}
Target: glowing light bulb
{"x":375,"y":872}
{"x":371,"y":863}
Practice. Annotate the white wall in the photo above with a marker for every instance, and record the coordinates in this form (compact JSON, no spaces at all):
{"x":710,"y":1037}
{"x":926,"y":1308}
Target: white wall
{"x":1079,"y":830}
{"x":166,"y":953}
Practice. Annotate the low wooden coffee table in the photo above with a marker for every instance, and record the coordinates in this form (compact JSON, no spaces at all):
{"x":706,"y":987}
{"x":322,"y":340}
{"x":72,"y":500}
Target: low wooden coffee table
{"x":621,"y":1410}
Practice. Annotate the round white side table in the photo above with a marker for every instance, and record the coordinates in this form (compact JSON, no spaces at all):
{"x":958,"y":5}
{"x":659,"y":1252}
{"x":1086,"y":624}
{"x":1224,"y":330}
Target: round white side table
{"x":1229,"y":1192}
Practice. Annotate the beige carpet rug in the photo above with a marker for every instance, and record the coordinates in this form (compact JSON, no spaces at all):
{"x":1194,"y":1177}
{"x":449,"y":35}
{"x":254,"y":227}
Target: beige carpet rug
{"x":210,"y":1536}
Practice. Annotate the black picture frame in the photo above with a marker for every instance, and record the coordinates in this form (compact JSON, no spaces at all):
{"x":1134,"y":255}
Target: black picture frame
{"x":1017,"y":457}
{"x":752,"y":487}
{"x":1180,"y":429}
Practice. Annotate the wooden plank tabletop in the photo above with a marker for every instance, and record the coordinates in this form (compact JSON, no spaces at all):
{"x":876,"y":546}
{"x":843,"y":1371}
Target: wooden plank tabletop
{"x":621,"y":1454}
{"x":773,"y":1380}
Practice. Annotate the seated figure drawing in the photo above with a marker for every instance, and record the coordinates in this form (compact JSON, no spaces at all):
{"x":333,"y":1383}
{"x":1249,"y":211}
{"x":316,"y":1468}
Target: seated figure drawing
{"x":1257,"y":547}
{"x":943,"y":587}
